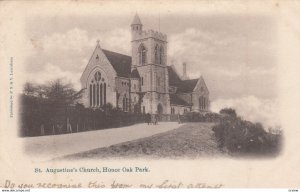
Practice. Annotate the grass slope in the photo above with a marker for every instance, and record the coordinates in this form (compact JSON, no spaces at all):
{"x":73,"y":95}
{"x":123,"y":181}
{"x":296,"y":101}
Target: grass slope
{"x":191,"y":140}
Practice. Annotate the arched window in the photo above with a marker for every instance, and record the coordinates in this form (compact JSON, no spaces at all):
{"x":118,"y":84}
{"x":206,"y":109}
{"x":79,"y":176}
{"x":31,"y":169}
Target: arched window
{"x":97,"y":94}
{"x":156,"y":53}
{"x":91,"y":95}
{"x":101,"y":94}
{"x":97,"y":91}
{"x":104,"y":94}
{"x":142,"y":54}
{"x":203,"y":103}
{"x":127,"y":104}
{"x":200,"y":102}
{"x":124,"y":103}
{"x":161,"y":55}
{"x":94,"y":95}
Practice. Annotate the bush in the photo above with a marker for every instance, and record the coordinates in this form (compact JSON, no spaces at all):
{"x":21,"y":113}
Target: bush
{"x":228,"y":111}
{"x":200,"y":117}
{"x":240,"y":136}
{"x":38,"y":113}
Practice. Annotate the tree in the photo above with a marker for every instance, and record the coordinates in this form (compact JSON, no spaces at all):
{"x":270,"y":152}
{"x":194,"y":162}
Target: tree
{"x":228,"y":111}
{"x":47,"y":105}
{"x":62,"y":93}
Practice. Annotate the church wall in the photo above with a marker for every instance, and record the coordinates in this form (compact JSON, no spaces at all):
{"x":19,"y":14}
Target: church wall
{"x":101,"y":64}
{"x":159,"y":82}
{"x":195,"y":97}
{"x":163,"y":100}
{"x":145,"y":74}
{"x":200,"y":90}
{"x":135,"y":85}
{"x":122,"y":87}
{"x":135,"y":50}
{"x":180,"y":109}
{"x":154,"y":77}
{"x":163,"y":44}
{"x":110,"y":87}
{"x":146,"y":103}
{"x":135,"y":88}
{"x":134,"y":100}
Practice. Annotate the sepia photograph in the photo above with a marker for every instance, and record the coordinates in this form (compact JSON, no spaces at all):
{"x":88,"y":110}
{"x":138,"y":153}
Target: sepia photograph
{"x":149,"y":94}
{"x":151,"y":86}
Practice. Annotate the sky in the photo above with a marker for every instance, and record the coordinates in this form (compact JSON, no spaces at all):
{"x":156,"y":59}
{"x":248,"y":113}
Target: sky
{"x":236,"y":54}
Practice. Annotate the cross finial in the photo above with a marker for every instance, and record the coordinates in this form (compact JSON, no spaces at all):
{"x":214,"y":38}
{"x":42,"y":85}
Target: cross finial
{"x":98,"y":43}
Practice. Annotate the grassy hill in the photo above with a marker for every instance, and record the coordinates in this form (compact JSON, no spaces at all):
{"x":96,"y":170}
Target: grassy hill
{"x":190,"y":140}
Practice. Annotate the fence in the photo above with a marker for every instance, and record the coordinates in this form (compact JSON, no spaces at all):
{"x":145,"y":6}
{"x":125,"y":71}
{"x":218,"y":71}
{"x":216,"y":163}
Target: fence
{"x":74,"y":119}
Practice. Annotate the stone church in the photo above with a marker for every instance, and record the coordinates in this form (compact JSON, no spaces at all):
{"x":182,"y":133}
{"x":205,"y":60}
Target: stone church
{"x":142,"y":82}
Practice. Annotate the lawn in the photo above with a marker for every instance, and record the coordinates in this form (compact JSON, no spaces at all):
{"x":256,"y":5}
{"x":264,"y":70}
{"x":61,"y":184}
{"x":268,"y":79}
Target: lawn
{"x":190,"y":140}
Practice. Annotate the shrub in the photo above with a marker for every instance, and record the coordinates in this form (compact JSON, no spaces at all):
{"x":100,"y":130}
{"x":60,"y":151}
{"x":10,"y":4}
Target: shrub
{"x":240,"y":136}
{"x":200,"y":117}
{"x":228,"y":111}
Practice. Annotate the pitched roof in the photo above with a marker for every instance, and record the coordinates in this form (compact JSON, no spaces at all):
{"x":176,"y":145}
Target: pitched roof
{"x":174,"y":79}
{"x":175,"y":100}
{"x":135,"y":74}
{"x":188,"y":85}
{"x":182,"y":85}
{"x":121,"y":63}
{"x":136,"y":20}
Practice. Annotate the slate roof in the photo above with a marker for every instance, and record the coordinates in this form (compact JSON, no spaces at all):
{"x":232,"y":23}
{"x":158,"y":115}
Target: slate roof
{"x":121,"y":63}
{"x":183,"y":86}
{"x":187,"y":85}
{"x":135,"y":74}
{"x":174,"y":79}
{"x":136,"y":20}
{"x":175,"y":100}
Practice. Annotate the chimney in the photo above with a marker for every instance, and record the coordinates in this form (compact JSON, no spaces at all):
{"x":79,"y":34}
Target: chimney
{"x":184,"y":76}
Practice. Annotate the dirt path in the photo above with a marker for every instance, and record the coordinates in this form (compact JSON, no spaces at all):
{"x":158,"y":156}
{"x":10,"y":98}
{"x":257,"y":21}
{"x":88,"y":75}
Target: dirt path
{"x":49,"y":147}
{"x":191,"y":140}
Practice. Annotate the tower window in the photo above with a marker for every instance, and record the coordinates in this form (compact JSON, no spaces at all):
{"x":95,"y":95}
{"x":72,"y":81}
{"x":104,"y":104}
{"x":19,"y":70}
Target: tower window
{"x":161,"y":55}
{"x":142,"y":54}
{"x":156,"y":53}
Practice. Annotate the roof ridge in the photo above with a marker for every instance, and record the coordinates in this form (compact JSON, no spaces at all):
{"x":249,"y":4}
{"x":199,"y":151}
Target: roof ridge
{"x":191,"y":79}
{"x":116,"y":52}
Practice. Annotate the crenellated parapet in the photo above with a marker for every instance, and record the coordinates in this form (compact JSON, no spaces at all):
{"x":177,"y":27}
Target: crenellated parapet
{"x":151,"y":34}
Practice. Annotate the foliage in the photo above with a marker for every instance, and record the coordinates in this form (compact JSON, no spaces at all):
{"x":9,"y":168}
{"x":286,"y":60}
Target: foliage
{"x":54,"y":109}
{"x":200,"y":117}
{"x":228,"y":111}
{"x":240,"y":136}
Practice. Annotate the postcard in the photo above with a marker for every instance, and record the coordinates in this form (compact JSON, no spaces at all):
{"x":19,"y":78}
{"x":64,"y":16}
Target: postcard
{"x":149,"y":94}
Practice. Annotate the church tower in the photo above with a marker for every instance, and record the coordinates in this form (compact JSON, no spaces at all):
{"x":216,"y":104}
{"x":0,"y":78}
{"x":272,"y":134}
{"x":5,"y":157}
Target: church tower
{"x":149,"y":57}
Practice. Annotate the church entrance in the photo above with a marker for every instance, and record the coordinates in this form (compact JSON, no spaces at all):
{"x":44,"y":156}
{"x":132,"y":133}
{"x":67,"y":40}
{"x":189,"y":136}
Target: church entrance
{"x":159,"y":109}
